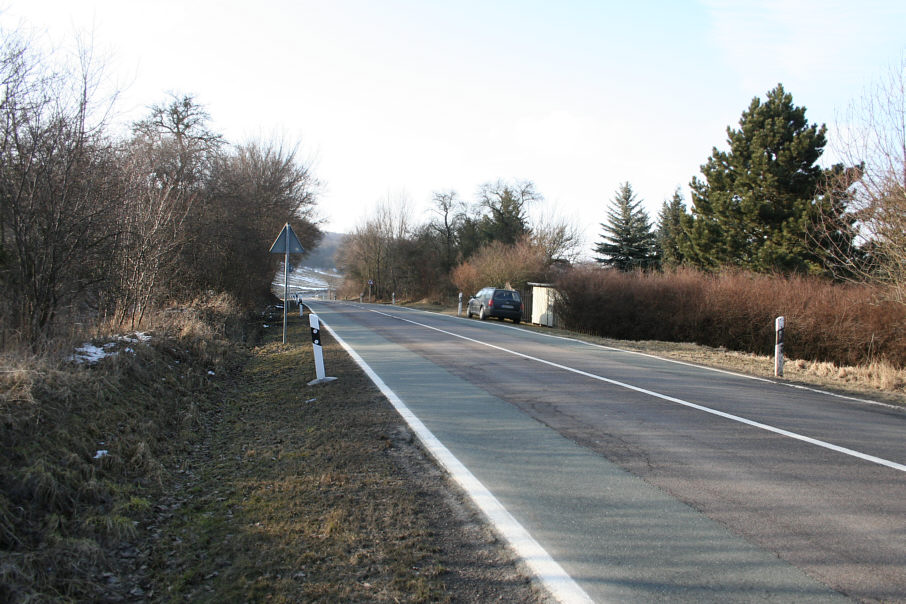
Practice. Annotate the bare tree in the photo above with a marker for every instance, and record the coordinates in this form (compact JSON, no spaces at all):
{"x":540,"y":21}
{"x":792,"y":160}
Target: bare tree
{"x":448,"y":212}
{"x":163,"y":169}
{"x":873,"y":139}
{"x":253,"y":190}
{"x":56,"y":190}
{"x":560,"y":238}
{"x":152,"y":221}
{"x":178,"y":141}
{"x":377,"y":250}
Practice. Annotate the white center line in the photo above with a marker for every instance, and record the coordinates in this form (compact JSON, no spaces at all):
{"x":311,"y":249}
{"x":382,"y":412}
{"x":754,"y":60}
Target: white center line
{"x":807,"y":439}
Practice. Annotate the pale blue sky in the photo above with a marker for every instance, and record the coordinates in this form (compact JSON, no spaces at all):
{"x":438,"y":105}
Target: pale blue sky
{"x":400,"y":98}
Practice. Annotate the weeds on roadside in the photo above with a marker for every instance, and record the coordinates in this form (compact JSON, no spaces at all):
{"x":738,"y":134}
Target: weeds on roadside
{"x":84,"y":444}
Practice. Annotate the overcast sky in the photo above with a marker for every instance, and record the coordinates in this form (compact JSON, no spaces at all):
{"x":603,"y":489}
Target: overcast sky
{"x":400,"y":98}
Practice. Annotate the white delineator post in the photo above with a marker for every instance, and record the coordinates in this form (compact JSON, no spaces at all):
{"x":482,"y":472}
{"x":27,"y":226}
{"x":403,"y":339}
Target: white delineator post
{"x":459,"y":308}
{"x":778,"y":346}
{"x":318,"y":352}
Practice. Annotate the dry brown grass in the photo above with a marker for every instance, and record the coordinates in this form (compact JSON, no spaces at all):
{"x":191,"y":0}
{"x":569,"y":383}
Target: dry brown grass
{"x":304,"y":493}
{"x":876,"y":376}
{"x":877,"y":380}
{"x":225,"y":478}
{"x":82,"y":447}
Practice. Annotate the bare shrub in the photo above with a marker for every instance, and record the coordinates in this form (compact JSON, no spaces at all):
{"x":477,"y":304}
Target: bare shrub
{"x":498,"y":264}
{"x":467,"y":278}
{"x":846,"y":324}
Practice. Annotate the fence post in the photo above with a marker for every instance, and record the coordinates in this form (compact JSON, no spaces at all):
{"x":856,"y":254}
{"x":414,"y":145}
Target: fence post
{"x":778,"y":346}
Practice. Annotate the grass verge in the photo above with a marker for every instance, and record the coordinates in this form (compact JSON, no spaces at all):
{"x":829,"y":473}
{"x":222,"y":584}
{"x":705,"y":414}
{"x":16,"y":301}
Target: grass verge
{"x":320,"y":494}
{"x":199,"y":466}
{"x":84,"y":452}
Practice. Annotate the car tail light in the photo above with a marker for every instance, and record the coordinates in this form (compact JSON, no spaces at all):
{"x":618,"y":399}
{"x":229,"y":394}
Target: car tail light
{"x":491,"y":303}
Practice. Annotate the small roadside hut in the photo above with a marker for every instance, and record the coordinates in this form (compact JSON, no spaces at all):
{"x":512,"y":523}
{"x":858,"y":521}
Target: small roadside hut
{"x":543,"y":300}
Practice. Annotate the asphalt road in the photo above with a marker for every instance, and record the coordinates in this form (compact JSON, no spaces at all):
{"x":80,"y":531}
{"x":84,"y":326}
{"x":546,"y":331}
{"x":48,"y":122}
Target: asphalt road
{"x":646,"y":479}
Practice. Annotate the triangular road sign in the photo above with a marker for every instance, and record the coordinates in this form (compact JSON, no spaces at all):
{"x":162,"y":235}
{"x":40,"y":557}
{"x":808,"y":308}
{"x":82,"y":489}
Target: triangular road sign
{"x":287,"y":237}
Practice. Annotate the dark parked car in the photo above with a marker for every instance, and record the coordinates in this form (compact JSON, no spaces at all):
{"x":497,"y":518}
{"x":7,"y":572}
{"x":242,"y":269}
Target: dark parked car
{"x":494,"y":302}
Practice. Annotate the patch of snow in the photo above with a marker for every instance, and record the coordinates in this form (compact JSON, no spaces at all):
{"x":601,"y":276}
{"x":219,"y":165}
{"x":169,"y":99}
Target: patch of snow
{"x":138,"y":336}
{"x":89,"y":353}
{"x":101,"y":453}
{"x":306,"y":278}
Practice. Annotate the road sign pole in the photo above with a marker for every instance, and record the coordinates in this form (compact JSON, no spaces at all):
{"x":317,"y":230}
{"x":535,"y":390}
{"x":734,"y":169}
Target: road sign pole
{"x":285,"y":290}
{"x":286,"y":243}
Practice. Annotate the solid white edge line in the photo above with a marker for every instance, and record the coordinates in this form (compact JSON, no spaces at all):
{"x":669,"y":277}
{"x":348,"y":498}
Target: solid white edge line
{"x":767,"y":427}
{"x":548,"y":571}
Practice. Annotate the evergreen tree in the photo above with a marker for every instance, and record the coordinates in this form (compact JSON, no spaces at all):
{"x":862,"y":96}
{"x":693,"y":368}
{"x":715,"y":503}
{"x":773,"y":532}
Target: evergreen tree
{"x":627,"y":240}
{"x":671,"y":238}
{"x":756,"y":206}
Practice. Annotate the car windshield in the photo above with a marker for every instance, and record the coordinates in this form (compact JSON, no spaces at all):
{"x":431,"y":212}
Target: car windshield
{"x":506,"y":295}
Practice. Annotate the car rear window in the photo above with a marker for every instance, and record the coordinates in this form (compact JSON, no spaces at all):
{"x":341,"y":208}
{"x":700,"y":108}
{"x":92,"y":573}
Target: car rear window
{"x":506,"y":295}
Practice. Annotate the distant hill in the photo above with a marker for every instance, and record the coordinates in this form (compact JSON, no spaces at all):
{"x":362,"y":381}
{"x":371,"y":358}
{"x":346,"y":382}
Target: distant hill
{"x":323,"y":256}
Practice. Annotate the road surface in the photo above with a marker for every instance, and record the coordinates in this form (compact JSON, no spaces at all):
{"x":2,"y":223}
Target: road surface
{"x":645,"y":479}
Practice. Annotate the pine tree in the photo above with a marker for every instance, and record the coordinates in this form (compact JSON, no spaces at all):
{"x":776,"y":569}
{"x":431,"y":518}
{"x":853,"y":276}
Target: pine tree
{"x":757,"y":202}
{"x":671,"y":238}
{"x":627,"y":240}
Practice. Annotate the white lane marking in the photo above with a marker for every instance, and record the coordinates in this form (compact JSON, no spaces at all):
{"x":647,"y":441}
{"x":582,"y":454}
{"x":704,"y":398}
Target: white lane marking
{"x":669,"y":360}
{"x":736,"y":418}
{"x":554,"y":577}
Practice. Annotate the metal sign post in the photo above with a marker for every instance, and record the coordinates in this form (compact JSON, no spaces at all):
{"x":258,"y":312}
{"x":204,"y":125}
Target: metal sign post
{"x":286,"y":243}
